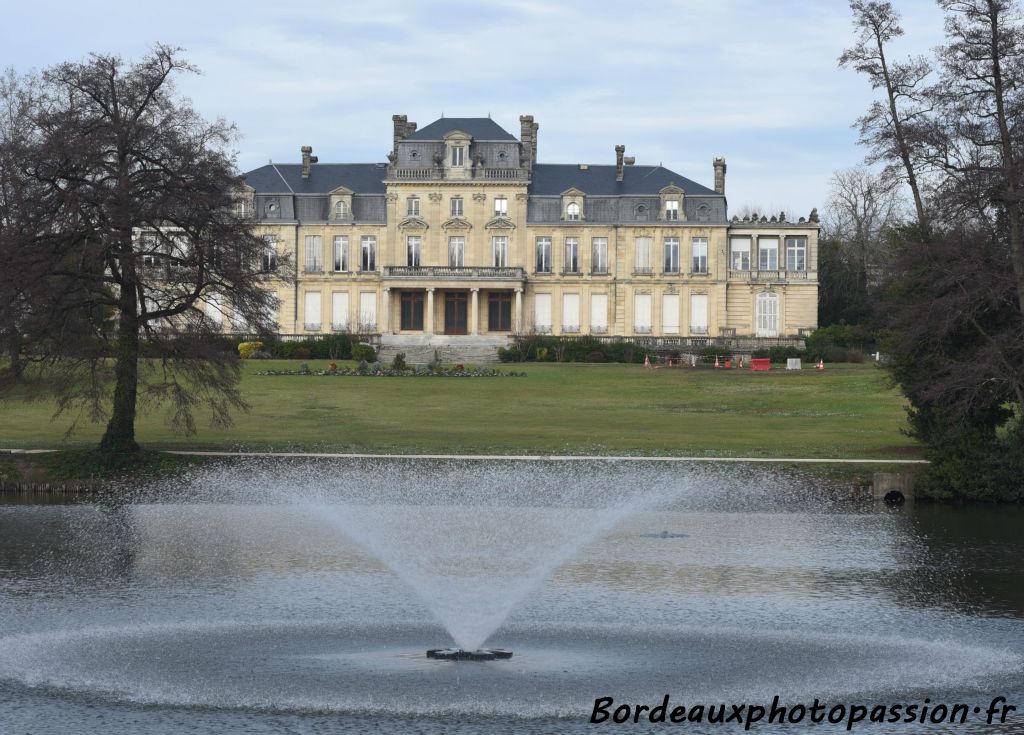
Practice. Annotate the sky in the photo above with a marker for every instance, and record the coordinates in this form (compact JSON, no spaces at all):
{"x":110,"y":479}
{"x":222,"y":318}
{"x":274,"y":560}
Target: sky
{"x":678,"y":82}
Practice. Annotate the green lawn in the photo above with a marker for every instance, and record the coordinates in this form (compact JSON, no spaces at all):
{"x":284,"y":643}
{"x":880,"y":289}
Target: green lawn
{"x":846,"y":411}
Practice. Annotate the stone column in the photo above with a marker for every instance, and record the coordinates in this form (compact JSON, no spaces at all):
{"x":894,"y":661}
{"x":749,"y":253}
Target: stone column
{"x":517,"y":325}
{"x":474,"y":318}
{"x":428,"y":327}
{"x":385,"y":312}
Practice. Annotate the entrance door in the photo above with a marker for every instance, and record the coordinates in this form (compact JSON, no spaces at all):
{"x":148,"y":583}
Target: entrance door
{"x":456,"y":312}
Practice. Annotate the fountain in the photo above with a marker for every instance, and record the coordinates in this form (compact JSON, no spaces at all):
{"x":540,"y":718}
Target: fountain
{"x":261,"y":596}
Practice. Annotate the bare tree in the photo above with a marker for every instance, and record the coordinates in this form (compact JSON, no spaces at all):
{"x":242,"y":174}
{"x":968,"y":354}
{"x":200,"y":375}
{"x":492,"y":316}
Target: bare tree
{"x":856,"y":244}
{"x":889,"y":127}
{"x":126,"y":241}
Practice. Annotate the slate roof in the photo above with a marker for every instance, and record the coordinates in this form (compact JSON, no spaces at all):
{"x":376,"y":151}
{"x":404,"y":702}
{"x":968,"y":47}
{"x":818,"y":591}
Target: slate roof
{"x":554,"y":178}
{"x":283,"y":178}
{"x":479,"y":128}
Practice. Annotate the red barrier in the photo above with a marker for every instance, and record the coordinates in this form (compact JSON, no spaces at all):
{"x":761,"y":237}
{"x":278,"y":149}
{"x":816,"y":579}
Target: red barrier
{"x":761,"y":363}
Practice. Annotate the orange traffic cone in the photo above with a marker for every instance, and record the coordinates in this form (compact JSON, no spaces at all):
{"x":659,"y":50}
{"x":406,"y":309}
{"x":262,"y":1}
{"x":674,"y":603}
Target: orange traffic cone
{"x":820,"y":365}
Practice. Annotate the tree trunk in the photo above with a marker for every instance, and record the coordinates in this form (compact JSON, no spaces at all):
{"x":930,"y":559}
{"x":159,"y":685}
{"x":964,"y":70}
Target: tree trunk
{"x":119,"y":437}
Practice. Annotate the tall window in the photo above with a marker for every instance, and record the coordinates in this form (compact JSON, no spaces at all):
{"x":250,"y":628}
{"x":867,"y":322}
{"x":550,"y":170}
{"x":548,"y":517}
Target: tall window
{"x":150,"y":250}
{"x":700,"y":255}
{"x":670,"y":313}
{"x":542,"y":312}
{"x":740,"y":249}
{"x":572,"y":212}
{"x":767,"y":315}
{"x":314,"y":254}
{"x":499,"y":251}
{"x":268,"y":263}
{"x":500,"y":206}
{"x":412,"y":311}
{"x":796,"y":253}
{"x":672,"y":210}
{"x":699,"y":314}
{"x":340,"y":210}
{"x":456,"y":206}
{"x":671,"y":254}
{"x":311,"y":318}
{"x":458,"y":155}
{"x":413,"y":245}
{"x":340,"y":253}
{"x":642,"y":263}
{"x":412,"y":207}
{"x":242,"y":208}
{"x":572,"y":255}
{"x":768,"y":253}
{"x":543,"y":254}
{"x":368,"y":253}
{"x":456,"y":252}
{"x":599,"y":255}
{"x":599,"y":313}
{"x":571,"y":313}
{"x":642,"y":313}
{"x":499,"y":311}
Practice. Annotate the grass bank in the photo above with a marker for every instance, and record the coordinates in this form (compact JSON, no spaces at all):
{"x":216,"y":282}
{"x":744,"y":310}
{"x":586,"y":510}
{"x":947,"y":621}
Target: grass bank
{"x":847,"y":411}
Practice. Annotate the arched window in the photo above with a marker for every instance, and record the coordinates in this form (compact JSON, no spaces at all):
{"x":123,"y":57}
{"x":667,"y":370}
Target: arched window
{"x":640,"y":211}
{"x":340,"y":209}
{"x":572,"y":212}
{"x":767,"y":315}
{"x":703,"y":213}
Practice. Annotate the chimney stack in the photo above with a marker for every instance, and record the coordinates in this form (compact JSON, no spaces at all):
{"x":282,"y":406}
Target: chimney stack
{"x":400,"y":125}
{"x":620,"y":151}
{"x":720,"y":175}
{"x":308,"y":159}
{"x":527,"y":131}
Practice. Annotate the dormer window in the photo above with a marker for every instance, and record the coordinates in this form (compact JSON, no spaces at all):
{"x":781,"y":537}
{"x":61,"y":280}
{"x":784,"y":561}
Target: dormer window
{"x":456,"y":204}
{"x":271,"y":210}
{"x":412,"y":207}
{"x":242,"y":208}
{"x":672,"y":209}
{"x":458,"y":155}
{"x":572,"y":212}
{"x":340,"y":210}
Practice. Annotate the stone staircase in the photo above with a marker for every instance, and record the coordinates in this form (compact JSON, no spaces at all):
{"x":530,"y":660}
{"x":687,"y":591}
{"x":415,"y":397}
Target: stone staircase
{"x":420,"y":350}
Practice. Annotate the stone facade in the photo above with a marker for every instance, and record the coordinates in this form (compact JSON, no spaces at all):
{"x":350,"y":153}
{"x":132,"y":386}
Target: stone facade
{"x":463,"y":233}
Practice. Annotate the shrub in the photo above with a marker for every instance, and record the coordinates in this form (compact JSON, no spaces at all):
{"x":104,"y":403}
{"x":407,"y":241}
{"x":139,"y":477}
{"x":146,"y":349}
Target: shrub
{"x":595,"y":356}
{"x":247,"y":349}
{"x":781,"y":354}
{"x":363,"y":368}
{"x":302,"y":353}
{"x":364,"y":352}
{"x":511,"y":354}
{"x":435,"y":363}
{"x":399,"y":362}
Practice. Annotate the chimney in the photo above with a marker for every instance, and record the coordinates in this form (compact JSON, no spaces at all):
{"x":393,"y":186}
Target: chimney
{"x":400,"y":128}
{"x":536,"y":127}
{"x":620,"y":151}
{"x":527,"y":129}
{"x":720,"y":175}
{"x":308,"y":159}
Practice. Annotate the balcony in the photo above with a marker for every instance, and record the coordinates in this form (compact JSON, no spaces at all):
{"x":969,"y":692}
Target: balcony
{"x":773,"y":276}
{"x":438,"y":174}
{"x":311,"y":326}
{"x":448,"y":273}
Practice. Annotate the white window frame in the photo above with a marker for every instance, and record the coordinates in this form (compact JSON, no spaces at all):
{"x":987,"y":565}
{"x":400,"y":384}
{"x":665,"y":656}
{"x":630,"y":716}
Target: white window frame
{"x":458,"y":155}
{"x":339,"y":311}
{"x":500,"y":206}
{"x":696,"y":325}
{"x":456,"y":251}
{"x":642,"y":262}
{"x":368,"y":253}
{"x":268,"y":260}
{"x":671,"y":255}
{"x":499,"y":251}
{"x":572,"y":212}
{"x":572,"y":255}
{"x":739,"y":257}
{"x":599,"y":255}
{"x":367,"y":311}
{"x":340,"y":209}
{"x":670,"y":313}
{"x":570,"y":313}
{"x":543,"y":253}
{"x":796,"y":254}
{"x":768,"y":253}
{"x":312,"y":322}
{"x":766,"y":310}
{"x":413,"y":250}
{"x":672,"y":210}
{"x":340,"y":253}
{"x":412,"y":206}
{"x":542,"y":312}
{"x":599,"y":313}
{"x":313,"y":256}
{"x":699,"y":252}
{"x":643,"y":313}
{"x":455,"y":207}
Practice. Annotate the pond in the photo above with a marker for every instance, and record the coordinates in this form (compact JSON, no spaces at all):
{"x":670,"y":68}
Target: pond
{"x":301,"y":596}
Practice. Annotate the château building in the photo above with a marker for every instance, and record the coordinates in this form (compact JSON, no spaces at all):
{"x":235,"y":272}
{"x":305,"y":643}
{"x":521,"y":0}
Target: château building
{"x":462,"y":236}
